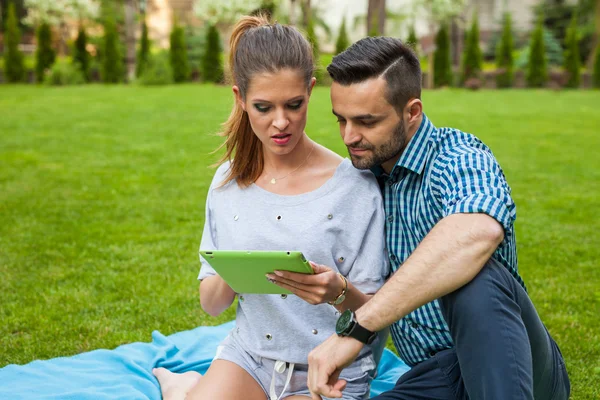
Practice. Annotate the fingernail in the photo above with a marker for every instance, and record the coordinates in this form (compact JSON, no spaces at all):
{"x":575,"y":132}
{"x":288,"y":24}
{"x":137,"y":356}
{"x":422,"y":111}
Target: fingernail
{"x":270,"y":278}
{"x":278,"y":273}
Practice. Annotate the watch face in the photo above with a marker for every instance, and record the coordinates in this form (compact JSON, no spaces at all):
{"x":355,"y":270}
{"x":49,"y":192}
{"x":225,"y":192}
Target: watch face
{"x":343,"y":322}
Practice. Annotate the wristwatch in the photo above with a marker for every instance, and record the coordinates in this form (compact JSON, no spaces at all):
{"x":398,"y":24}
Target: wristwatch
{"x":342,"y":296}
{"x":348,"y":326}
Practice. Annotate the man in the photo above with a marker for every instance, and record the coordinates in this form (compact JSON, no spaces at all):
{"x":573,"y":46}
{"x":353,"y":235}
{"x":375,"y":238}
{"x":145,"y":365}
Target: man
{"x":458,"y":309}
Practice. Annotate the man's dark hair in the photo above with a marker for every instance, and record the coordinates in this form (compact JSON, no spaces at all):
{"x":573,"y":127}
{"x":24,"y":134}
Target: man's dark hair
{"x":373,"y":57}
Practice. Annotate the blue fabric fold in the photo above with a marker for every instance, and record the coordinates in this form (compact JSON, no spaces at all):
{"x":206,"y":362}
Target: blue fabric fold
{"x":126,"y":372}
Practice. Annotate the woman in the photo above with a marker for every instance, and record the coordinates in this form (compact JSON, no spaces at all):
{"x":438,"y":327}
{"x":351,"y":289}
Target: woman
{"x":283,"y":191}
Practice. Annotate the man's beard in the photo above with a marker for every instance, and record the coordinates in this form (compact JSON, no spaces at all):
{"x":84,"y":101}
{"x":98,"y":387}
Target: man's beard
{"x":384,"y":152}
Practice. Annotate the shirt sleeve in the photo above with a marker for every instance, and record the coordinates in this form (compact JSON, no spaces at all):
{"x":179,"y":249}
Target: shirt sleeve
{"x":209,"y":237}
{"x":371,"y":266}
{"x":473,"y":182}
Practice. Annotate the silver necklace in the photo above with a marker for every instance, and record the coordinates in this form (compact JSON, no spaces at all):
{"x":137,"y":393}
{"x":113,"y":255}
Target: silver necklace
{"x":274,"y":180}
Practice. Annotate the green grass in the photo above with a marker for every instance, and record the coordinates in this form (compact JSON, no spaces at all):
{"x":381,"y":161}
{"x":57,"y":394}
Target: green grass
{"x":102,"y":194}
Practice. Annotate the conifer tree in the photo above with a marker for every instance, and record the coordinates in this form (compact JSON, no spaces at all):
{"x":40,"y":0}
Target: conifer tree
{"x":572,"y":58}
{"x":14,"y":68}
{"x":442,"y":75}
{"x":342,"y":42}
{"x":504,"y":54}
{"x":212,"y":64}
{"x":537,"y":70}
{"x":143,"y":51}
{"x":81,"y":57}
{"x":473,"y":57}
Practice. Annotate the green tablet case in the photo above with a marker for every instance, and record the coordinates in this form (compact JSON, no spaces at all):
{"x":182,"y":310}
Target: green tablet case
{"x":245,"y":270}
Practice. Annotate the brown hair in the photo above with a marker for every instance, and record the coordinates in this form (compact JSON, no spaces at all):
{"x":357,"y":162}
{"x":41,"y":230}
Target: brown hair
{"x":257,"y":46}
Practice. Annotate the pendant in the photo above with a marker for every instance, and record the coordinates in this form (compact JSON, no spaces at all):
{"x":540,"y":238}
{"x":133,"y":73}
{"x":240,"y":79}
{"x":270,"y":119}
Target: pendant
{"x":273,"y":181}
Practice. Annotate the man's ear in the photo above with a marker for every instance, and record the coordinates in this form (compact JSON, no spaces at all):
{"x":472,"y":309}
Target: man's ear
{"x":415,"y":110}
{"x":238,"y":97}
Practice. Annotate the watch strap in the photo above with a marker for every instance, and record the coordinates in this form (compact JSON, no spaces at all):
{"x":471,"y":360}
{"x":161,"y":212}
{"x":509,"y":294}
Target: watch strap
{"x":342,"y":296}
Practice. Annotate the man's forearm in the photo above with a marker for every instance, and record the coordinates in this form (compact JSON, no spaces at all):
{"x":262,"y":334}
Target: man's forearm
{"x":450,"y":256}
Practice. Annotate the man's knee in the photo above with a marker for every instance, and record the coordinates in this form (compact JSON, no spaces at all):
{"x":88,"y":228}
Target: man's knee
{"x":477,"y":297}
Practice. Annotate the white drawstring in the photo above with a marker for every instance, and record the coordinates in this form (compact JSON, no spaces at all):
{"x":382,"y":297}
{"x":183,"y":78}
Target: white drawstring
{"x":280,"y":369}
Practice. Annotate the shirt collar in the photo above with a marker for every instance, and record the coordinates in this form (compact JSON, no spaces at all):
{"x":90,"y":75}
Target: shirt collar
{"x":414,"y":156}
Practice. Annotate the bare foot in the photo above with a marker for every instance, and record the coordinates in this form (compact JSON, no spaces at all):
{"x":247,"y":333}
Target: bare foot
{"x":175,"y":386}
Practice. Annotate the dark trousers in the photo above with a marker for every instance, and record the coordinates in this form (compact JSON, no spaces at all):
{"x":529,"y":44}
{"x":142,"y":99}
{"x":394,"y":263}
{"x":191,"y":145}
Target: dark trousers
{"x":502,"y":349}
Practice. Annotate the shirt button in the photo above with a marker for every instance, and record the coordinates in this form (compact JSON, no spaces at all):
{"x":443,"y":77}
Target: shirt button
{"x":235,"y":217}
{"x":284,"y":296}
{"x":268,"y":336}
{"x":314,"y":331}
{"x":432,"y":353}
{"x":390,"y":218}
{"x":414,"y":325}
{"x":393,"y":257}
{"x":329,"y":216}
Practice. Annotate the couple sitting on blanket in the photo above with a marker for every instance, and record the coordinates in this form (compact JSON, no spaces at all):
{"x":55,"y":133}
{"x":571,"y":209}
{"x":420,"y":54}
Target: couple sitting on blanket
{"x":436,"y":198}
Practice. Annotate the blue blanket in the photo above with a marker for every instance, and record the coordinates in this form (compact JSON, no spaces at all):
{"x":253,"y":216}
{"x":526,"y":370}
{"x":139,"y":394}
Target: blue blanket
{"x":126,"y":372}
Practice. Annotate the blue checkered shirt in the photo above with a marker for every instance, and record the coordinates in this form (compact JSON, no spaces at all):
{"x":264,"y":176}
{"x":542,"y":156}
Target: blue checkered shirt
{"x":441,"y":172}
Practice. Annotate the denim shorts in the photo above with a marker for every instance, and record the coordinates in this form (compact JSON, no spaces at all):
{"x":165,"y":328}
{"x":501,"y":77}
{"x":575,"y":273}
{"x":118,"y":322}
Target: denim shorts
{"x":358,"y":375}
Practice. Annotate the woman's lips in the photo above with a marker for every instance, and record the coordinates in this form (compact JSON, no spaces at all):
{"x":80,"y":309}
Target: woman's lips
{"x":281,"y":139}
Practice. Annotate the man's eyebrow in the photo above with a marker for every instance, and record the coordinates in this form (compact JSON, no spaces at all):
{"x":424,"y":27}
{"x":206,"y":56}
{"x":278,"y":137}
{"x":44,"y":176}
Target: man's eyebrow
{"x":361,"y":117}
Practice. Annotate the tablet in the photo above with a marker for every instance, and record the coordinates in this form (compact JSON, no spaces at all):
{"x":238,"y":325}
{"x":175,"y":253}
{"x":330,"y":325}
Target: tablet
{"x":245,"y":270}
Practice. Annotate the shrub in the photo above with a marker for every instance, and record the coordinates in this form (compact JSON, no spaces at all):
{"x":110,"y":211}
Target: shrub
{"x":178,"y":55}
{"x":63,"y":73}
{"x":142,"y":57}
{"x":342,"y":42}
{"x":81,"y":57}
{"x":157,"y":70}
{"x":212,"y":64}
{"x":572,"y":59}
{"x":472,"y":58}
{"x":44,"y":54}
{"x":504,"y":55}
{"x":473,"y":83}
{"x":112,"y":62}
{"x":442,"y":74}
{"x":537,"y":73}
{"x":14,"y":68}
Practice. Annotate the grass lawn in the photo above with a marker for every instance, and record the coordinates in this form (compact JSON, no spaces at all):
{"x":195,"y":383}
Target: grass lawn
{"x":102,"y":194}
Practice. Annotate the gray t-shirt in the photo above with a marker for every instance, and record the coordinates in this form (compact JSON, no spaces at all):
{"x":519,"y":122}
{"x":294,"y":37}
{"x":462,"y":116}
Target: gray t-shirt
{"x":340,"y":224}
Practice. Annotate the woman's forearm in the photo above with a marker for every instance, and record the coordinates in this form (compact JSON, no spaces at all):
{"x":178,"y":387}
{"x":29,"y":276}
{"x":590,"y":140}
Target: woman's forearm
{"x":215,"y":295}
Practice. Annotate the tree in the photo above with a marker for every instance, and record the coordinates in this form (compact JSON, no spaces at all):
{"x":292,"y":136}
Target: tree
{"x":130,"y":25}
{"x":342,"y":42}
{"x":442,"y":65}
{"x":314,"y":42}
{"x":143,"y":51}
{"x":596,"y":73}
{"x":14,"y":69}
{"x":44,"y":54}
{"x":413,"y":41}
{"x":81,"y":57}
{"x":439,"y":12}
{"x":504,"y":54}
{"x":212,"y":64}
{"x":376,"y":14}
{"x":537,"y":73}
{"x":473,"y":58}
{"x":224,"y":12}
{"x":178,"y":54}
{"x":112,"y":62}
{"x":572,"y":57}
{"x":57,"y":12}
